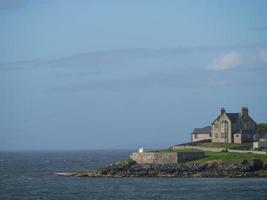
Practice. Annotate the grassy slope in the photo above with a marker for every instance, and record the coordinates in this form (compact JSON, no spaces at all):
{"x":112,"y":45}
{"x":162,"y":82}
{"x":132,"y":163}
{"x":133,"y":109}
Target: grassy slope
{"x":178,"y":150}
{"x":221,"y":156}
{"x":225,"y":145}
{"x":231,"y":157}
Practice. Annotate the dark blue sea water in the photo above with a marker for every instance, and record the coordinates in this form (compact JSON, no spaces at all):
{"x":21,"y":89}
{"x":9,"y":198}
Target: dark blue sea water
{"x":30,"y":175}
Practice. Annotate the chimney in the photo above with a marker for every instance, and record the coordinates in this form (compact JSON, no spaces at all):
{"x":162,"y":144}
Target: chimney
{"x":244,"y":111}
{"x":222,"y":111}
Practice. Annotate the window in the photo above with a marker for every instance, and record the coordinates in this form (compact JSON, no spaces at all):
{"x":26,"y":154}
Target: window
{"x":195,"y":135}
{"x":216,"y":135}
{"x":222,"y":135}
{"x":224,"y":126}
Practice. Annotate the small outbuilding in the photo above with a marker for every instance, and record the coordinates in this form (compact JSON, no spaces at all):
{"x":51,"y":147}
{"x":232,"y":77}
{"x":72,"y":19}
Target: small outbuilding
{"x":200,"y":134}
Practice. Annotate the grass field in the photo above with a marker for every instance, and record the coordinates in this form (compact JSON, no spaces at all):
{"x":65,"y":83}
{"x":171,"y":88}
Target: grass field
{"x":179,"y":150}
{"x":225,"y":145}
{"x":231,"y":157}
{"x":221,"y":156}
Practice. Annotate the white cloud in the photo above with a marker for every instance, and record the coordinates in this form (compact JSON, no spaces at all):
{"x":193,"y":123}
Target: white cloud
{"x":225,"y":61}
{"x":263,"y":55}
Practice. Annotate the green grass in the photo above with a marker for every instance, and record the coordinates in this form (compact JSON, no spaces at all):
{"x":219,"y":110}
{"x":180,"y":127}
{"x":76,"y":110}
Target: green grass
{"x":224,"y":157}
{"x":231,"y":157}
{"x":178,"y":150}
{"x":225,"y":145}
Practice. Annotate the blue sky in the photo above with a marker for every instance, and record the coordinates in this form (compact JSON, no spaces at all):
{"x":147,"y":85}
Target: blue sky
{"x":122,"y":74}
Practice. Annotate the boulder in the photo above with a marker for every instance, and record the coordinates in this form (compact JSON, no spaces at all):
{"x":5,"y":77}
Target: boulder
{"x":255,"y":164}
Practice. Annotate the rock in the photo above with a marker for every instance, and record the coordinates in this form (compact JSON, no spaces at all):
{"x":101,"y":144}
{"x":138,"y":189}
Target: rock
{"x":264,"y":166}
{"x":244,"y":162}
{"x":129,"y":168}
{"x":255,"y":164}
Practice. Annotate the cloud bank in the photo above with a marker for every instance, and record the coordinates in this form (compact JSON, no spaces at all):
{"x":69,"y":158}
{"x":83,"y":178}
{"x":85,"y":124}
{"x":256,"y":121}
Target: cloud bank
{"x":225,"y":61}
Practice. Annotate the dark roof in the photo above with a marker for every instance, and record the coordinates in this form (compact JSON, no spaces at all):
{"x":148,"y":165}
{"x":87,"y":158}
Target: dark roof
{"x":233,"y":116}
{"x":241,"y":131}
{"x":204,"y":130}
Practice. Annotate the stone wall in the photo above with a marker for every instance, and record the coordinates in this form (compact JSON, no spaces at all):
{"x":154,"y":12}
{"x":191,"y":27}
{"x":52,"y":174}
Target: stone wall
{"x":188,"y":156}
{"x":165,"y":157}
{"x":154,"y":157}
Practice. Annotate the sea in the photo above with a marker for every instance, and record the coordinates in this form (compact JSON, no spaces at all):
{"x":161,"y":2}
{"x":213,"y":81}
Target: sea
{"x":30,"y":175}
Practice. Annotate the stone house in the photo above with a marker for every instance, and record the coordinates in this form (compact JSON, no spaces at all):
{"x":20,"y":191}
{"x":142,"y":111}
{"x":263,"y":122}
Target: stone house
{"x":233,"y":127}
{"x":200,"y":134}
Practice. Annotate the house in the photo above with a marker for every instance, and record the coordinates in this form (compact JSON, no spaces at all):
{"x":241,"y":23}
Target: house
{"x":200,"y":134}
{"x":233,"y":127}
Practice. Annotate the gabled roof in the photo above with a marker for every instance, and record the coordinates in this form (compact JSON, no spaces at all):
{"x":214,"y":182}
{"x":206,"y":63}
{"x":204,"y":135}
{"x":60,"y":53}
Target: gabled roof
{"x":205,"y":130}
{"x":233,"y":117}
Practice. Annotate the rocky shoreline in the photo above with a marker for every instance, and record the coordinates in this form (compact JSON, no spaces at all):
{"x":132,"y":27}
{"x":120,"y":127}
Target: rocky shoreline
{"x":129,"y":168}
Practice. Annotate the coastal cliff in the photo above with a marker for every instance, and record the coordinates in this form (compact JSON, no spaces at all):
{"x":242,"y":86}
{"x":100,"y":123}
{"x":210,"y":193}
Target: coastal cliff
{"x":129,"y":168}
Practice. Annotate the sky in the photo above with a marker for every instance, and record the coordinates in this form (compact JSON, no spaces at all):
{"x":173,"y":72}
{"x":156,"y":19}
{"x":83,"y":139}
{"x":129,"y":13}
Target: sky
{"x":79,"y":74}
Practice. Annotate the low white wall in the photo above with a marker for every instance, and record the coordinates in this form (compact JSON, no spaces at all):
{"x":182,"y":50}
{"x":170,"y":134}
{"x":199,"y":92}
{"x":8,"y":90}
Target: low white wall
{"x":245,"y":151}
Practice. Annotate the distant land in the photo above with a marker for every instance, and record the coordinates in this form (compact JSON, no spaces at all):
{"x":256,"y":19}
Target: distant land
{"x":234,"y":146}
